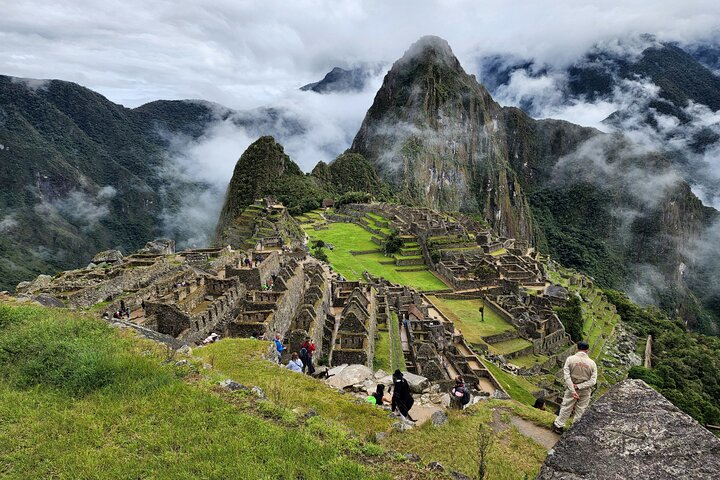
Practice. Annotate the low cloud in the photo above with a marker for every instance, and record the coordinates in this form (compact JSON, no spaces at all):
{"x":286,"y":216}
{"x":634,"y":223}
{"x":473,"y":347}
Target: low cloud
{"x":81,"y":208}
{"x":8,"y":223}
{"x":311,"y":127}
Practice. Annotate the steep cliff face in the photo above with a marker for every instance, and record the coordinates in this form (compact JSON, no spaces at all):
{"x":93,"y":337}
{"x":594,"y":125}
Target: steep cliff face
{"x":438,"y":137}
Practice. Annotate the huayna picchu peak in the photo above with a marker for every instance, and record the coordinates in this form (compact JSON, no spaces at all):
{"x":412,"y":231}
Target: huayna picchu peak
{"x":488,"y":257}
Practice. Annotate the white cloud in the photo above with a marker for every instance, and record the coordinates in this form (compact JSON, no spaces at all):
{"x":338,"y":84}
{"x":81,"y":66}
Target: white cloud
{"x":247,"y":54}
{"x":8,"y":223}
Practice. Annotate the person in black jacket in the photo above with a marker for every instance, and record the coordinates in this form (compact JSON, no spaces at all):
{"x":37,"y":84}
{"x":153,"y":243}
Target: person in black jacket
{"x":402,"y":400}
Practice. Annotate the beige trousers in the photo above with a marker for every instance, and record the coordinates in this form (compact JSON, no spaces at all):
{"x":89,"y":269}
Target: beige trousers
{"x":569,"y":404}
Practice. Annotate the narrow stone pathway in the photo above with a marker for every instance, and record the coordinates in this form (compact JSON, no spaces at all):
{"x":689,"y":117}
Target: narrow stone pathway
{"x":541,"y":435}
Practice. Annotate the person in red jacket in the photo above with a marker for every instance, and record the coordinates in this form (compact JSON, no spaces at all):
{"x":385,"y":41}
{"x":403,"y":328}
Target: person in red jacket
{"x":306,"y":353}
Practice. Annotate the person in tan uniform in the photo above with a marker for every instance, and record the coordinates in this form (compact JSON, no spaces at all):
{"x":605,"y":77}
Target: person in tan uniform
{"x":580,"y":374}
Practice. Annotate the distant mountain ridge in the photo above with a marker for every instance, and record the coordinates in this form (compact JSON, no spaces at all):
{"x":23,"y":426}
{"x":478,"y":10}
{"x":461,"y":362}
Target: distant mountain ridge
{"x":440,"y":140}
{"x":81,"y":174}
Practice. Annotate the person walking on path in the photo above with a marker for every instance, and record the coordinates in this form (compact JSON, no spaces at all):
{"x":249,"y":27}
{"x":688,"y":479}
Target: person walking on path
{"x":402,"y":399}
{"x":580,"y":374}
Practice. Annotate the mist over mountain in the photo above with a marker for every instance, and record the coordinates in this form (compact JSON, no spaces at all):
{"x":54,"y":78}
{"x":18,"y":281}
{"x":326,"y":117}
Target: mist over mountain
{"x":658,"y":93}
{"x":623,"y":208}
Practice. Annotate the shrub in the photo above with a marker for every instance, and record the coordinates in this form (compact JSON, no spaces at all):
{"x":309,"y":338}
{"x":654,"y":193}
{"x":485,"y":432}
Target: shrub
{"x":393,"y":244}
{"x":320,"y":254}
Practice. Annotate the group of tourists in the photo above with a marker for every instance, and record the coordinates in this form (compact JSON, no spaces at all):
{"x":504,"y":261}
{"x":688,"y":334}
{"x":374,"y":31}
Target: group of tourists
{"x":301,"y":362}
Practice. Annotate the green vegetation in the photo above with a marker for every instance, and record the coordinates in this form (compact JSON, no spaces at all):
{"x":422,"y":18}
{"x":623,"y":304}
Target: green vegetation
{"x":577,"y":240}
{"x":320,"y":254}
{"x":381,"y":360}
{"x":353,"y":197}
{"x":571,"y":317}
{"x":351,"y":172}
{"x":512,"y":456}
{"x":242,"y":360}
{"x":347,"y":237}
{"x":509,"y":346}
{"x":516,"y":386}
{"x":466,"y":316}
{"x":684,"y":364}
{"x":265,"y":170}
{"x":77,"y":400}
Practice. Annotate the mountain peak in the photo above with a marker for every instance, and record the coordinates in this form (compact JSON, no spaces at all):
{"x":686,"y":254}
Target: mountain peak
{"x":430,"y":48}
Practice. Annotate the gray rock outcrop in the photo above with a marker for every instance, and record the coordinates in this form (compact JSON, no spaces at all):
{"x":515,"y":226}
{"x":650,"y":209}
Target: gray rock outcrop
{"x":108,"y":256}
{"x":349,"y":376}
{"x":634,"y":432}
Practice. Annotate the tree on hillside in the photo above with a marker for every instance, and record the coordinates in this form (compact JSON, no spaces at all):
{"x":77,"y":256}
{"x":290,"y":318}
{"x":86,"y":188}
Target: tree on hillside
{"x":571,"y":317}
{"x":393,"y":243}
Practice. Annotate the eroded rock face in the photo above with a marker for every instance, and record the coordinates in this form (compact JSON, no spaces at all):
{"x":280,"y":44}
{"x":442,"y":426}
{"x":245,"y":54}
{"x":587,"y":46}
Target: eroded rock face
{"x":634,"y":432}
{"x":438,"y":137}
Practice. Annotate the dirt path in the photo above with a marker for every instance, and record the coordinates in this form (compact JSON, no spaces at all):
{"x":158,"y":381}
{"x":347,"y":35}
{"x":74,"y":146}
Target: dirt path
{"x":543,"y":436}
{"x":422,"y":414}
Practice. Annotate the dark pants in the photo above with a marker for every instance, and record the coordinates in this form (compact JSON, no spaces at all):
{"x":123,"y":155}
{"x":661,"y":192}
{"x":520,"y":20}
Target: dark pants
{"x":401,"y":406}
{"x":308,"y":364}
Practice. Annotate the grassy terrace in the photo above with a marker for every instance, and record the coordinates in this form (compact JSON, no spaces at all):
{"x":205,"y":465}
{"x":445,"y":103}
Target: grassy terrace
{"x":382,"y":352}
{"x":529,"y":360}
{"x":509,"y":346}
{"x":516,"y":386}
{"x":347,"y":237}
{"x":81,"y":400}
{"x":466,"y":316}
{"x":511,"y":457}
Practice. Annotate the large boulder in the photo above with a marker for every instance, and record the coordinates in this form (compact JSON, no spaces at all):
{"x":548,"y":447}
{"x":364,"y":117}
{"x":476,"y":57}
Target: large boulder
{"x":349,"y":376}
{"x":417,"y":383}
{"x":41,"y":282}
{"x":634,"y":432}
{"x":108,"y":256}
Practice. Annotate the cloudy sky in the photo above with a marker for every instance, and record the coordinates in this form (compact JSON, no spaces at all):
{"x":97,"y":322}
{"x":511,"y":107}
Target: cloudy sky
{"x":245,"y":54}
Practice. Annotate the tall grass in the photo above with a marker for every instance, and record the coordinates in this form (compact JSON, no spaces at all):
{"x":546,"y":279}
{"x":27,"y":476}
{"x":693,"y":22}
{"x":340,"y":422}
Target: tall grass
{"x":80,"y":401}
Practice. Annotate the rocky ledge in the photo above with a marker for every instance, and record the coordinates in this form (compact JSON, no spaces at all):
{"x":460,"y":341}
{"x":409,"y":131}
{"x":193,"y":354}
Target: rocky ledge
{"x":634,"y":432}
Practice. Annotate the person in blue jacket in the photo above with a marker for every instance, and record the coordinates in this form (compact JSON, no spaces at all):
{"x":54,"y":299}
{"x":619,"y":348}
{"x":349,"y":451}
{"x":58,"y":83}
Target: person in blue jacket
{"x":279,"y":346}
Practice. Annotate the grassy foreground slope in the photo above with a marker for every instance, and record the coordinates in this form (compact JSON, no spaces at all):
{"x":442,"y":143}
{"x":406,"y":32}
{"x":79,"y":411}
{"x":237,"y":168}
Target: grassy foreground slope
{"x":512,"y":455}
{"x":241,"y":359}
{"x":77,"y":400}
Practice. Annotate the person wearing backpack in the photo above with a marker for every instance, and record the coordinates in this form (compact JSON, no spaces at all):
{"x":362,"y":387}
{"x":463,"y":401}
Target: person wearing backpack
{"x":460,"y":394}
{"x":306,"y":353}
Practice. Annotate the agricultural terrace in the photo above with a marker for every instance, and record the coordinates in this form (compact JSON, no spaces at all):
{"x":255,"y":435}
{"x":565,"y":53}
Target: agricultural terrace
{"x":465,"y":313}
{"x":348,"y":237}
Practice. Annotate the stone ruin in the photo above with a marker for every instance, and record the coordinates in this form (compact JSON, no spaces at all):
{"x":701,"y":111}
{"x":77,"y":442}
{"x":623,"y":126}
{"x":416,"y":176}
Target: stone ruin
{"x":187,"y":295}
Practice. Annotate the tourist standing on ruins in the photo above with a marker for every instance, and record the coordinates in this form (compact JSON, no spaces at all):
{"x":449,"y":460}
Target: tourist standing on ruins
{"x":306,"y":353}
{"x":279,"y":346}
{"x":295,"y":364}
{"x":402,"y":399}
{"x":580,"y":374}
